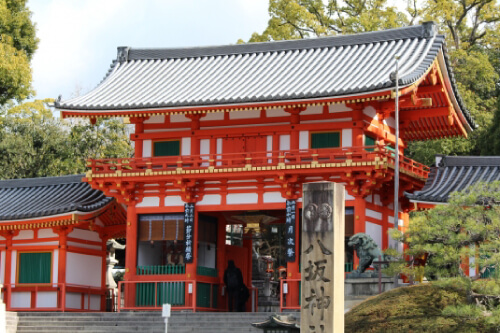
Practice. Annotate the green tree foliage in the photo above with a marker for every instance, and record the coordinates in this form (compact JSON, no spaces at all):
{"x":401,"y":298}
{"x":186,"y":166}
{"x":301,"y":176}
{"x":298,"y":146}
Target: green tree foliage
{"x":35,"y":144}
{"x":467,"y":227}
{"x":17,"y":46}
{"x":472,"y":28}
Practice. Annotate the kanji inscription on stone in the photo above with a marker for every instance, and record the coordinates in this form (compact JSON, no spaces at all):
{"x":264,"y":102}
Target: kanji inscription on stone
{"x":322,"y":255}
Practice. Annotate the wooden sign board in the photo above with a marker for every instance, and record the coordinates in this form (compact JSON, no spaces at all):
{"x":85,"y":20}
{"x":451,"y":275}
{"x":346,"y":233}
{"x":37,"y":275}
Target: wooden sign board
{"x":322,"y":303}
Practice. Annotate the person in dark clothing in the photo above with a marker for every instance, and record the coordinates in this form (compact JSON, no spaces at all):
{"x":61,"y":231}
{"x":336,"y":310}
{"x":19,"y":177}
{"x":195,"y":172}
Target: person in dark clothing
{"x":233,"y":279}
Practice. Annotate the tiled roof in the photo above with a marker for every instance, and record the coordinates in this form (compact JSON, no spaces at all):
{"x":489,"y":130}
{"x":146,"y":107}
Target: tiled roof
{"x":455,"y":173}
{"x":263,"y":72}
{"x":41,"y":197}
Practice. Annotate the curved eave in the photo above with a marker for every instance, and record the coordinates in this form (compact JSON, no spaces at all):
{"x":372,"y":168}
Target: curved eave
{"x":383,"y":94}
{"x":451,"y":88}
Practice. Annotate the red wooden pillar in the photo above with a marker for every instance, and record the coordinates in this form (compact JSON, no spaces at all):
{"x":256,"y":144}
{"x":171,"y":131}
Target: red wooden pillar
{"x":139,"y":129}
{"x":221,"y":261}
{"x":61,"y":265}
{"x":8,"y":268}
{"x":359,"y":219}
{"x":191,"y":267}
{"x":131,"y":255}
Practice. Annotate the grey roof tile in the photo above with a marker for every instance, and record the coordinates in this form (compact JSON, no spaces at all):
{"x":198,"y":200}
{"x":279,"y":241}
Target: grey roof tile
{"x":41,"y":197}
{"x":456,"y":173}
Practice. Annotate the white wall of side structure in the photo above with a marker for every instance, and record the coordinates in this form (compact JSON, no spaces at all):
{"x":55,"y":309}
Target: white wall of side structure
{"x":20,"y":299}
{"x":2,"y":266}
{"x":83,"y":269}
{"x":47,"y":233}
{"x":14,"y":266}
{"x":55,"y":266}
{"x":85,"y":234}
{"x":24,"y":234}
{"x":46,"y":299}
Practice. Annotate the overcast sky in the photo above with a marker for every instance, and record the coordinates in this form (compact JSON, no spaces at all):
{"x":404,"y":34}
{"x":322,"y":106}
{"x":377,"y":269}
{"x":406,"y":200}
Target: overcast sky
{"x":78,"y":38}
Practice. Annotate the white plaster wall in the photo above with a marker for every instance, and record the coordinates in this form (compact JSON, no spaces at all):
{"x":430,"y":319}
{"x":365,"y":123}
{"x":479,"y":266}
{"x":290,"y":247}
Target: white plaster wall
{"x":14,"y":266}
{"x":390,"y":121}
{"x":269,"y":143}
{"x":206,"y":254}
{"x":472,"y":264}
{"x":2,"y":266}
{"x":83,"y":269}
{"x":285,"y":142}
{"x":186,"y":146}
{"x":85,"y":246}
{"x":155,"y":120}
{"x":95,"y":302}
{"x":391,"y":220}
{"x":242,"y":198}
{"x":85,"y":234}
{"x":149,"y":202}
{"x":347,"y":137}
{"x":373,"y":214}
{"x":213,"y":116}
{"x":376,"y":200}
{"x":338,"y":108}
{"x":318,"y":109}
{"x":38,"y":243}
{"x":274,"y":197}
{"x":375,"y":232}
{"x":219,"y":150}
{"x":55,"y":266}
{"x":2,"y":238}
{"x":304,"y":140}
{"x":173,"y":200}
{"x":276,"y":113}
{"x":205,"y":147}
{"x":251,"y":114}
{"x":20,"y":299}
{"x":370,"y":112}
{"x":46,"y":299}
{"x":74,"y":300}
{"x":24,"y":234}
{"x":179,"y":118}
{"x":46,"y":233}
{"x":147,"y":147}
{"x":348,"y":196}
{"x":211,"y":199}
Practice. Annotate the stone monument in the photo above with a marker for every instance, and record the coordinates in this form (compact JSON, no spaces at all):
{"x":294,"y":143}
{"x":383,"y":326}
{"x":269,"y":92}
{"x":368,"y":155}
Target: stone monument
{"x":322,"y":303}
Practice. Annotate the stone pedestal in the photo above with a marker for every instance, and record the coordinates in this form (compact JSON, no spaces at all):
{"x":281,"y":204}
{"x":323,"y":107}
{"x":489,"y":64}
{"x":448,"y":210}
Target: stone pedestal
{"x":367,"y":286}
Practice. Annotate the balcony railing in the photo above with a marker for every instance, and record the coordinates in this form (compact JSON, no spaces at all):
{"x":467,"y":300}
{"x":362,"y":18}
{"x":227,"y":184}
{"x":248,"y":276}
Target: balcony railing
{"x":371,"y":156}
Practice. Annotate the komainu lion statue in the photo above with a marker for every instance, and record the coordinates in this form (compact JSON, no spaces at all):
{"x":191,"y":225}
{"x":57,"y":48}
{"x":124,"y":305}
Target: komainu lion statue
{"x":367,"y":251}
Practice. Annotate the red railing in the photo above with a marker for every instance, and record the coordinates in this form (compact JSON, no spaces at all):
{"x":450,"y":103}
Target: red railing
{"x":19,"y":297}
{"x":151,"y":295}
{"x":252,"y":161}
{"x":290,"y":294}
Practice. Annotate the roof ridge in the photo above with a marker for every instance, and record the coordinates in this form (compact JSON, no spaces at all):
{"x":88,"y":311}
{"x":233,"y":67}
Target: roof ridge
{"x":425,"y":30}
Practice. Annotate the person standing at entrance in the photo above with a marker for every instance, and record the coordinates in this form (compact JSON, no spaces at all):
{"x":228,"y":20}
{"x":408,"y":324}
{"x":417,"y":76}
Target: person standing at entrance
{"x":233,"y":279}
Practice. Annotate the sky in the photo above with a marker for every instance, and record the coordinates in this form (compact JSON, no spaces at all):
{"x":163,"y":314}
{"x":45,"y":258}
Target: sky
{"x":79,"y":38}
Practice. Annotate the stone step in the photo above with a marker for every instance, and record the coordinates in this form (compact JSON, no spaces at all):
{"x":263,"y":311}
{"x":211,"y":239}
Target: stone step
{"x":143,"y":322}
